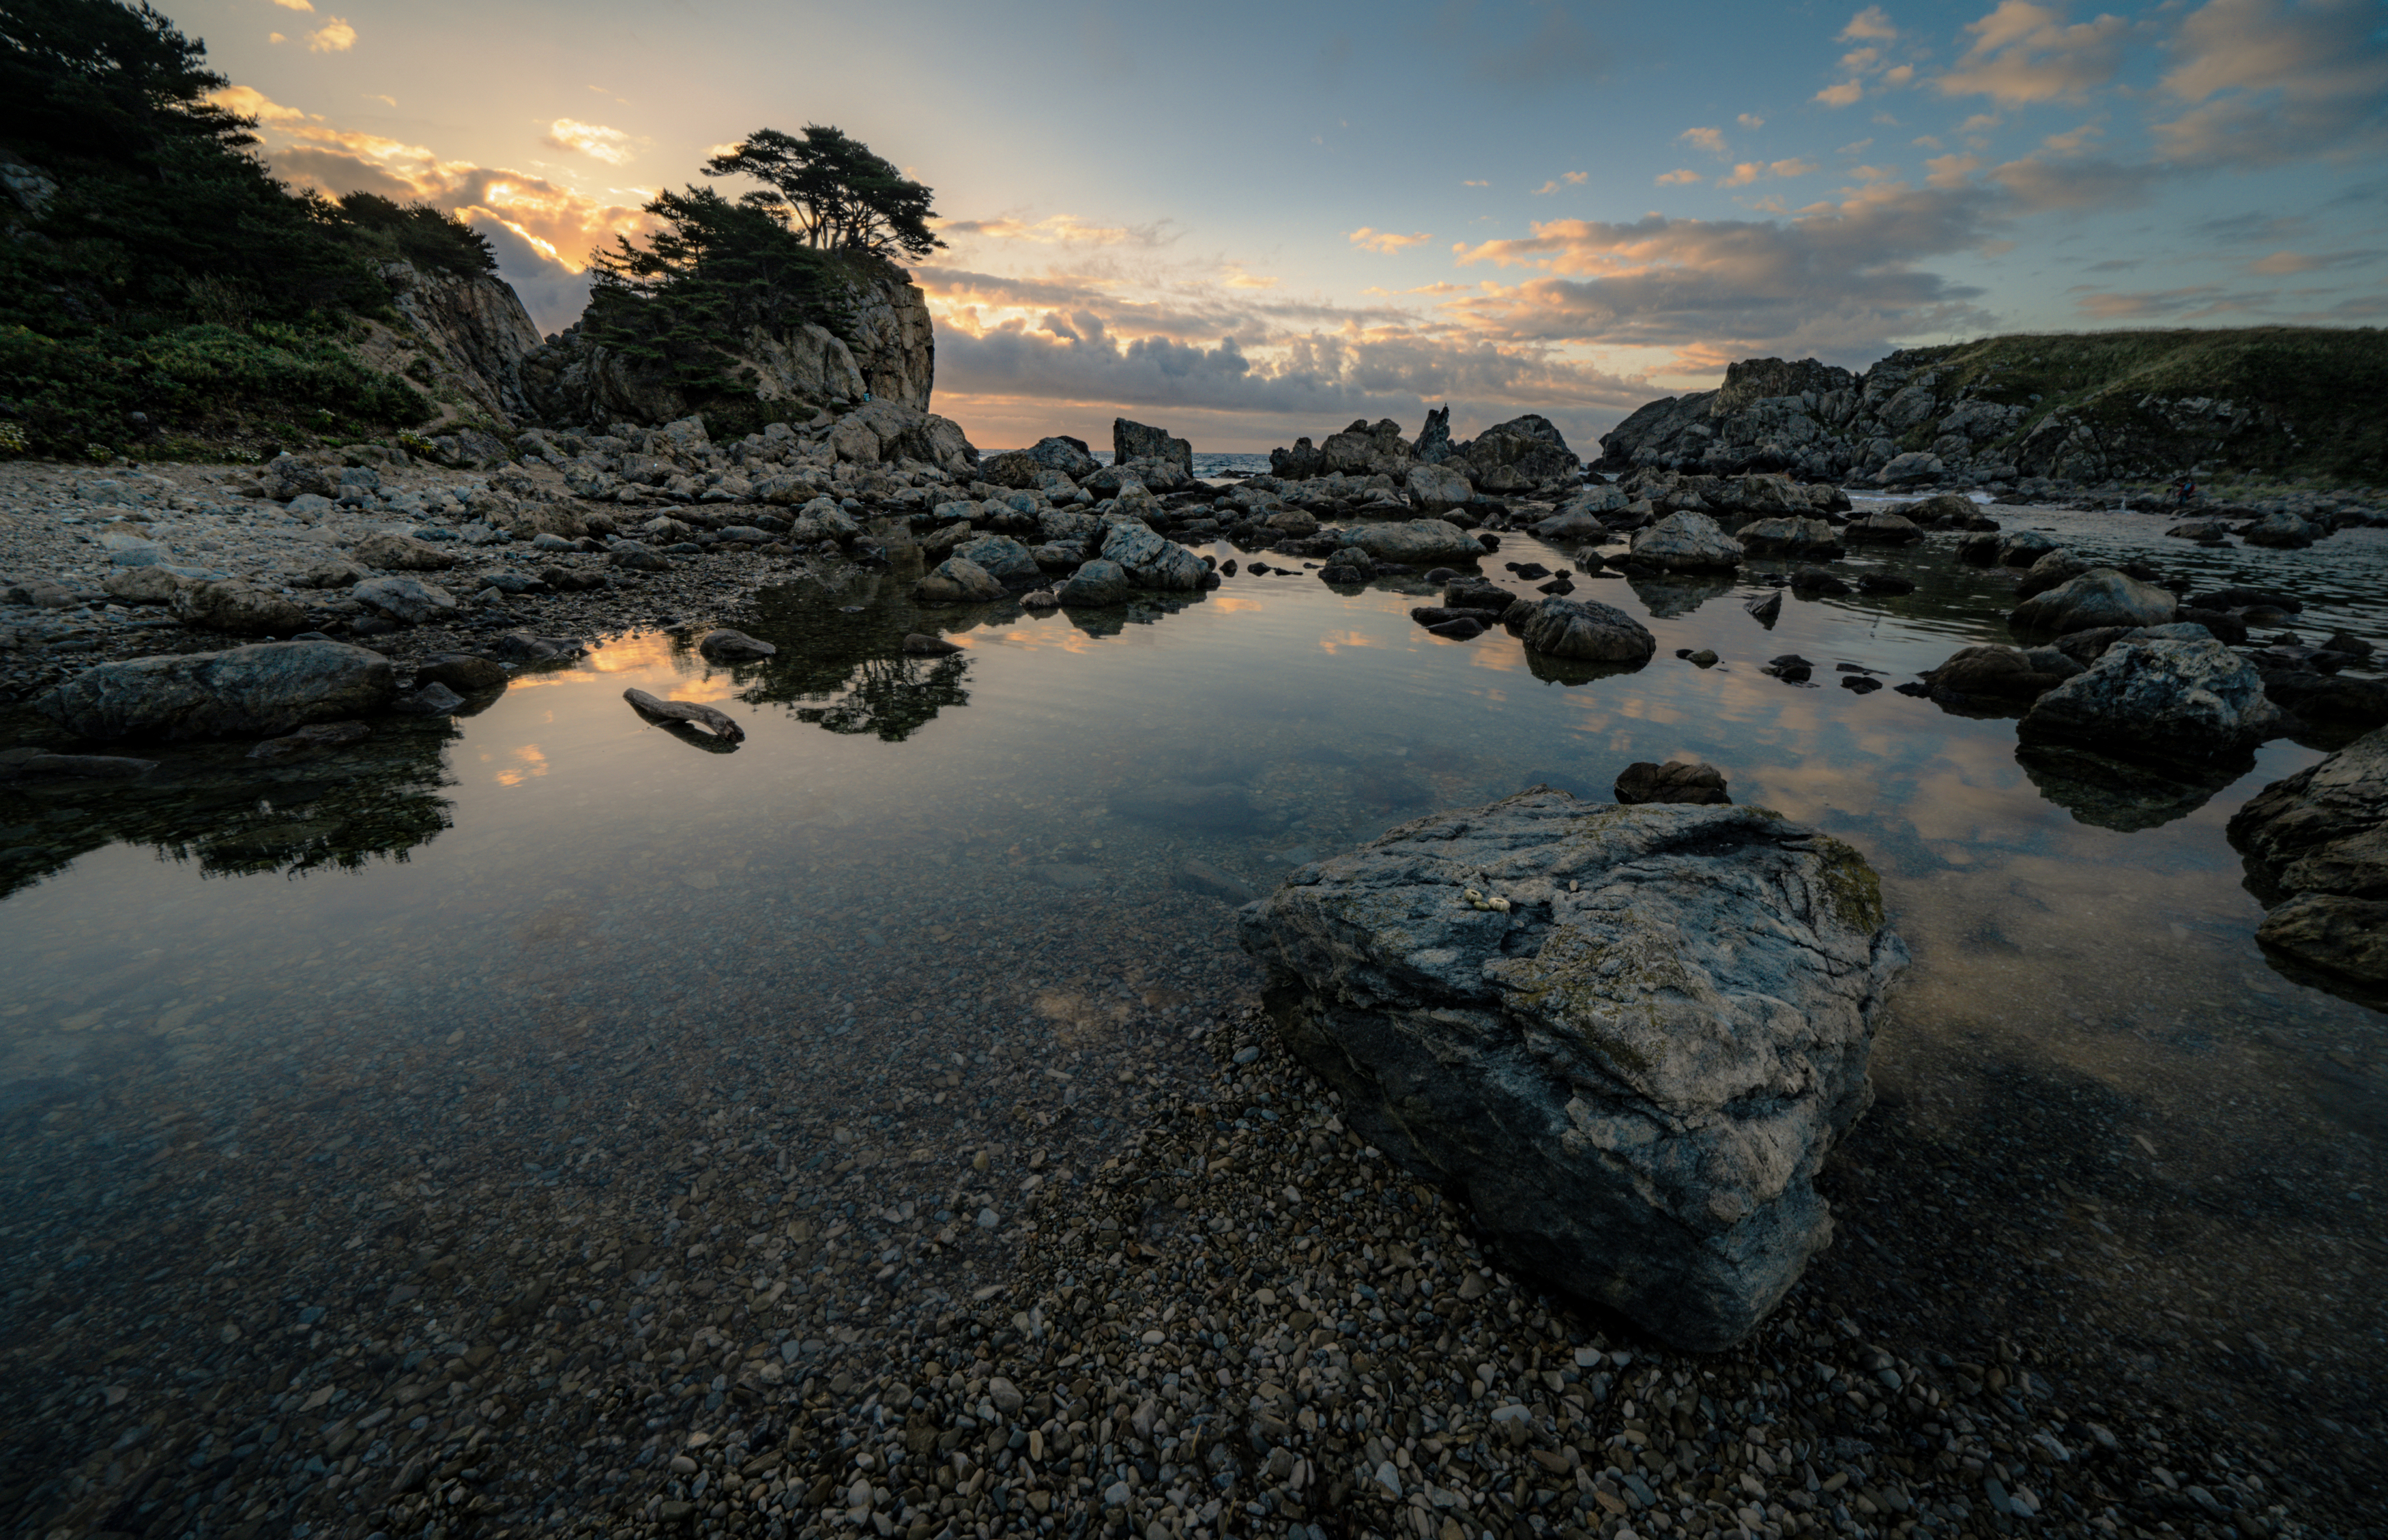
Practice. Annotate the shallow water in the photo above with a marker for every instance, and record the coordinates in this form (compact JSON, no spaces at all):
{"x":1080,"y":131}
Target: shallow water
{"x":518,"y":930}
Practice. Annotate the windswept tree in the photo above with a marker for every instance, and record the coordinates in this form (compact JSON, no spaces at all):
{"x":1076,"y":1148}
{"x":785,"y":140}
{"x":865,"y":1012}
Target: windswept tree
{"x":833,"y":192}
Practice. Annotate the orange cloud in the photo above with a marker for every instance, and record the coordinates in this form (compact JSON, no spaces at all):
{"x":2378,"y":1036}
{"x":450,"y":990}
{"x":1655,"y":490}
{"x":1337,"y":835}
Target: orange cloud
{"x":2023,"y":52}
{"x":335,"y":36}
{"x":1385,"y":243}
{"x":595,"y":140}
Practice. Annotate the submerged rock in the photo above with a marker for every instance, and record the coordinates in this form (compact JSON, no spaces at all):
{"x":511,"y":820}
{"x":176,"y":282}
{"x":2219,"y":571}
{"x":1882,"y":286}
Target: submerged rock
{"x":2316,"y":849}
{"x":269,"y":688}
{"x":1630,"y":1066}
{"x":1698,"y":784}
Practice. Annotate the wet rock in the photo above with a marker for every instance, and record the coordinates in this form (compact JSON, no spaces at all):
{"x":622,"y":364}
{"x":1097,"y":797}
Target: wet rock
{"x":431,"y":700}
{"x":957,"y":580}
{"x":2282,"y":532}
{"x":2098,"y":597}
{"x":268,"y":688}
{"x":1688,"y":543}
{"x":1436,"y":489}
{"x":2022,"y":548}
{"x":1150,"y":561}
{"x":2163,"y":698}
{"x":1883,"y":527}
{"x":2316,"y":849}
{"x":1766,"y":608}
{"x":724,"y":646}
{"x":1137,"y":441}
{"x":2206,"y":531}
{"x":239,"y":606}
{"x":309,"y":742}
{"x":394,"y":553}
{"x":630,"y":556}
{"x":1042,"y":598}
{"x":688,"y":713}
{"x":1888,"y":585}
{"x":1630,"y":1089}
{"x":2001,"y":673}
{"x":1814,"y":581}
{"x":2336,"y":701}
{"x":461,"y":673}
{"x":1581,"y":630}
{"x":1098,"y":585}
{"x":2050,"y":571}
{"x":1418,"y":542}
{"x":1645,"y":781}
{"x":1798,"y":538}
{"x":32,"y":764}
{"x":1001,"y":557}
{"x":1198,"y":876}
{"x":406,"y":601}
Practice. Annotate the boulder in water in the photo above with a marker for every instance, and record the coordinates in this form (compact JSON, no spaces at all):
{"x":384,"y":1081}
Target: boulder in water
{"x":266,"y":689}
{"x":1626,"y":1037}
{"x":2160,"y":698}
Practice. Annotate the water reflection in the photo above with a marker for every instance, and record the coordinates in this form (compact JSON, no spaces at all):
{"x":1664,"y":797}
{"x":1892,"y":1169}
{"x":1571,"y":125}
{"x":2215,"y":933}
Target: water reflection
{"x":226,"y":815}
{"x":2126,"y":795}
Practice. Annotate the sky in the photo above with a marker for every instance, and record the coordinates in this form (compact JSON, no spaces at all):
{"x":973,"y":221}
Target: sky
{"x":1248,"y":222}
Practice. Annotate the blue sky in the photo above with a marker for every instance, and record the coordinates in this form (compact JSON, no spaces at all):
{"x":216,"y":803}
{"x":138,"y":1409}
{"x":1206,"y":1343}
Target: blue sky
{"x":1249,"y":221}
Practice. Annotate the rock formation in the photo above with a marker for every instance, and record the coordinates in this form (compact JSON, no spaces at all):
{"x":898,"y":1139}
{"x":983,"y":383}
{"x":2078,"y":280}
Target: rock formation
{"x":1626,"y":1037}
{"x":2316,"y":849}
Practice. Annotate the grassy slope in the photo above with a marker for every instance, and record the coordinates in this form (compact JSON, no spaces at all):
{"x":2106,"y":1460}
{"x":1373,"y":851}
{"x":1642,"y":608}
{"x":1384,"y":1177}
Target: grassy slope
{"x":2329,"y":385}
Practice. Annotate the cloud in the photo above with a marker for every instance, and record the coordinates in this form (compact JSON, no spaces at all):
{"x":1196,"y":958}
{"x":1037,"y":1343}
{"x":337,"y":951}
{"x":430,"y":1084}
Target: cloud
{"x":2039,"y":184}
{"x":1845,"y":94}
{"x":275,"y":37}
{"x":1869,"y":24}
{"x":335,"y":36}
{"x":1476,"y":184}
{"x":1066,"y":230}
{"x":2285,"y":263}
{"x":1238,"y":278}
{"x":595,"y":140}
{"x":1679,"y":179}
{"x":1750,"y":119}
{"x":2269,"y":80}
{"x":306,"y":5}
{"x":1951,"y":171}
{"x":249,"y":102}
{"x":1751,"y":170}
{"x":1385,"y":243}
{"x":1709,"y":139}
{"x":2023,"y":52}
{"x":1835,"y":278}
{"x":1570,"y":178}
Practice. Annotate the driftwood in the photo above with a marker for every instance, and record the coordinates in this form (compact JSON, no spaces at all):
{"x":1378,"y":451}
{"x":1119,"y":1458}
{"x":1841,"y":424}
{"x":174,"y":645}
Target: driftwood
{"x":689,"y":712}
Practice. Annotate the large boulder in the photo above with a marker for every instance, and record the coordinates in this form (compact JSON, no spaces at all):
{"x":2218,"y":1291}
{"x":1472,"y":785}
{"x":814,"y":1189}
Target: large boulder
{"x":1438,"y":488}
{"x":2052,"y":572}
{"x":395,"y":553}
{"x":1098,"y":585}
{"x":1626,"y":1037}
{"x":1518,"y":456}
{"x":2101,"y":597}
{"x":1688,"y":543}
{"x":957,"y":580}
{"x":266,"y":690}
{"x":1796,"y":538}
{"x":238,"y":606}
{"x":1151,"y":561}
{"x":1883,"y":527}
{"x":1136,"y":442}
{"x":2282,"y":532}
{"x":2316,"y":849}
{"x":1001,"y":557}
{"x":407,"y":601}
{"x":1583,"y":630}
{"x":1418,"y":542}
{"x":1997,"y":672}
{"x":2162,"y":698}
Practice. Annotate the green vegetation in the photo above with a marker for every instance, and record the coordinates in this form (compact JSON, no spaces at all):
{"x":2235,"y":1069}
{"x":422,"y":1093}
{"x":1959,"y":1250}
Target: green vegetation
{"x":167,"y":273}
{"x":830,"y":217}
{"x":2327,"y":385}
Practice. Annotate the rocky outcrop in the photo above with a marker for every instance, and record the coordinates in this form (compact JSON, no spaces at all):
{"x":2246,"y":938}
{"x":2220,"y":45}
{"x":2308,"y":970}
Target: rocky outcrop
{"x":263,"y":690}
{"x":476,"y":330}
{"x":2026,"y":409}
{"x":883,"y":351}
{"x":2316,"y":851}
{"x":1518,"y":456}
{"x":1132,"y":442}
{"x":1626,"y":1037}
{"x":2159,"y":698}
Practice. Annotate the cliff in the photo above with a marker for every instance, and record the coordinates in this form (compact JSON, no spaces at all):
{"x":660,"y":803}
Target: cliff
{"x":461,"y":341}
{"x":887,"y":352}
{"x":2293,"y":403}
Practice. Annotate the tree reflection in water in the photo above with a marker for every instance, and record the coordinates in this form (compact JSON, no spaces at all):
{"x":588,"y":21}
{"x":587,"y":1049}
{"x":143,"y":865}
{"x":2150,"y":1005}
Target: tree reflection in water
{"x":893,"y":697}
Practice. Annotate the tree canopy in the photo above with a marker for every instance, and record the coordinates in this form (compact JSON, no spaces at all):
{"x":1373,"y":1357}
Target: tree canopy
{"x":833,"y":191}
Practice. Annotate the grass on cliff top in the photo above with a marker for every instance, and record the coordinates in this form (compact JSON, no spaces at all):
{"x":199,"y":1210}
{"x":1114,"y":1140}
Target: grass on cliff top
{"x":2330,"y":384}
